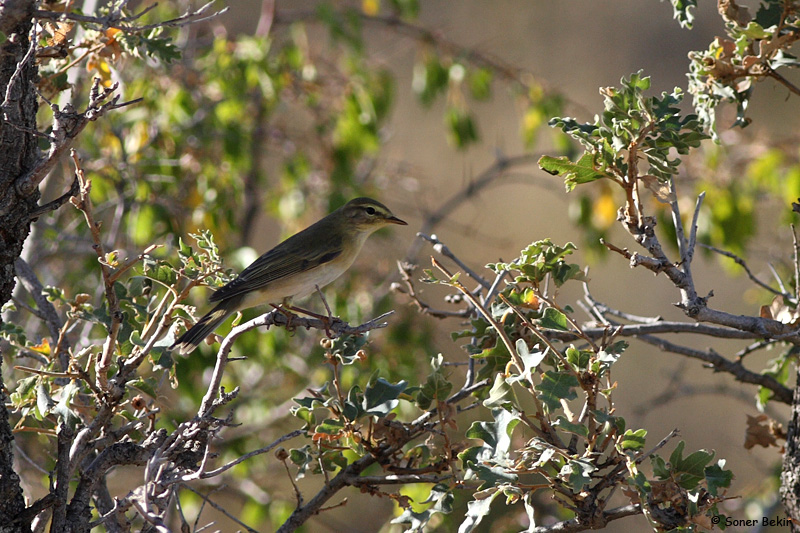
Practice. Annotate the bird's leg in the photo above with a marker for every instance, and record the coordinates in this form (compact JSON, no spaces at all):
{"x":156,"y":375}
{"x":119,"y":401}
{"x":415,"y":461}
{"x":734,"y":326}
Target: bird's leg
{"x":327,"y":321}
{"x":284,"y":309}
{"x":324,"y":302}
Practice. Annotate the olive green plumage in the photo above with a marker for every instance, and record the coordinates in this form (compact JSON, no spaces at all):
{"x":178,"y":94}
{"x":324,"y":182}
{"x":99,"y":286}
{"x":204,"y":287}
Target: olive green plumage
{"x":311,"y":258}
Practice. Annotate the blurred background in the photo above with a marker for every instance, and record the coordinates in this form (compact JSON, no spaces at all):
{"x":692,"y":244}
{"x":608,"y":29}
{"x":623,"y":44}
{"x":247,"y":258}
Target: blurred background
{"x":393,"y":114}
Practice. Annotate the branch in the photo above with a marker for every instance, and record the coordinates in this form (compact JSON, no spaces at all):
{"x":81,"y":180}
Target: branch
{"x":496,"y":170}
{"x":58,"y":202}
{"x":67,"y":124}
{"x":569,"y":526}
{"x":35,"y":288}
{"x":303,"y":513}
{"x":397,"y":479}
{"x":739,"y":261}
{"x":274,"y":317}
{"x":440,"y":247}
{"x":351,"y":473}
{"x":231,"y":464}
{"x":635,"y":330}
{"x":116,"y":19}
{"x":219,"y":508}
{"x":782,"y":393}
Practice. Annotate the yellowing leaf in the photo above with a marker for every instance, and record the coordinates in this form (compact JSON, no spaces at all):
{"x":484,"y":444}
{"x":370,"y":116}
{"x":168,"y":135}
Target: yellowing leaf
{"x":604,"y":210}
{"x":370,"y":7}
{"x":43,"y":348}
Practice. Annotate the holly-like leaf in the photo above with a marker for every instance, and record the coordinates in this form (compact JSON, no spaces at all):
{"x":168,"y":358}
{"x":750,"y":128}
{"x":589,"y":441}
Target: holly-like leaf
{"x":633,"y":440}
{"x":496,"y":435}
{"x":584,"y":170}
{"x":556,"y":386}
{"x":477,"y":509}
{"x":690,"y":470}
{"x":554,"y":319}
{"x":717,"y":478}
{"x":381,"y":397}
{"x":578,"y":473}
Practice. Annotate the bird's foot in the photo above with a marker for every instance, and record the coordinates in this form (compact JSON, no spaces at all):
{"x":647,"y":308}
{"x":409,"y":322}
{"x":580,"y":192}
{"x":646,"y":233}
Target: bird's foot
{"x":327,"y":320}
{"x":289,"y":316}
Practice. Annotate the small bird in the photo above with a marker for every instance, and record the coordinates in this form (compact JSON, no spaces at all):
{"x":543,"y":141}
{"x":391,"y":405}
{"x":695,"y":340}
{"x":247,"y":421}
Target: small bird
{"x":295,"y":268}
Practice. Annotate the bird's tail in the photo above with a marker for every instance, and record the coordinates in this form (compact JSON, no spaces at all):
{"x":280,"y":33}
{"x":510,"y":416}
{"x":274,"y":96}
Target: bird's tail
{"x":192,"y":338}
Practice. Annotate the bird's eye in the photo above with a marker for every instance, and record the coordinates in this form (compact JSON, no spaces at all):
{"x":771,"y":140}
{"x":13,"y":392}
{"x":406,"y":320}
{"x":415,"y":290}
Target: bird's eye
{"x":370,"y":210}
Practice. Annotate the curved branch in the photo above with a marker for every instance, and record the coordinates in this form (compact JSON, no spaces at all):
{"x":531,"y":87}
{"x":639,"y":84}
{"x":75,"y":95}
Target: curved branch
{"x":782,"y":393}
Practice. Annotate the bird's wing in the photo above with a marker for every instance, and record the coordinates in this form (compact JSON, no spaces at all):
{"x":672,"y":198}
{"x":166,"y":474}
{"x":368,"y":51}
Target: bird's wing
{"x":277,"y":263}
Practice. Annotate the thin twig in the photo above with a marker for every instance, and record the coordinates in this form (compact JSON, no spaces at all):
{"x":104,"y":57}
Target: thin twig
{"x":663,"y":442}
{"x":442,"y":248}
{"x":693,"y":234}
{"x":796,"y":247}
{"x":219,"y":508}
{"x":739,"y":261}
{"x":123,"y":23}
{"x":245,"y":457}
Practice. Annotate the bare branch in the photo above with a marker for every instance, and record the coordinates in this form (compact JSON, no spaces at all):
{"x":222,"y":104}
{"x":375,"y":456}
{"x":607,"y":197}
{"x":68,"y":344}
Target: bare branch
{"x":782,"y":393}
{"x":440,"y":247}
{"x":219,"y":508}
{"x":35,"y":288}
{"x":67,"y":125}
{"x":495,"y":171}
{"x":245,"y":457}
{"x":58,"y":202}
{"x":739,"y":261}
{"x":663,"y":442}
{"x":116,"y":19}
{"x":398,"y":479}
{"x":693,"y":235}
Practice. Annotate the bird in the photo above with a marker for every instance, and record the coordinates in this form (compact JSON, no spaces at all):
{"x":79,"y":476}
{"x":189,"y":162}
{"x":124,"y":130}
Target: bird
{"x":296,"y":267}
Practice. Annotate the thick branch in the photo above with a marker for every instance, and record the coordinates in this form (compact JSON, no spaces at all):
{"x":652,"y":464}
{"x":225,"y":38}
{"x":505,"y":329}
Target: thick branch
{"x":568,"y":526}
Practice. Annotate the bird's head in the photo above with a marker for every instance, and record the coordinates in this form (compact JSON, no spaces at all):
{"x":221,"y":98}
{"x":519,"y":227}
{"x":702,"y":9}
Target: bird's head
{"x":368,"y":215}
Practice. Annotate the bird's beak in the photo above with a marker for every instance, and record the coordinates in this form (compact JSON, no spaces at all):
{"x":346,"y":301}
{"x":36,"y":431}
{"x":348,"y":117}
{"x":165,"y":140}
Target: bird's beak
{"x":394,"y":220}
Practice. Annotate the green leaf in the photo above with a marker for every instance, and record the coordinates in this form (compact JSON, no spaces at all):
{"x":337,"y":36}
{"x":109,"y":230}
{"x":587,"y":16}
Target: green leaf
{"x":302,"y":457}
{"x":633,"y":440}
{"x":578,"y":359}
{"x":160,"y":271}
{"x":770,"y":13}
{"x":346,"y":348}
{"x":147,"y":386}
{"x":578,"y":473}
{"x":62,"y":408}
{"x":556,"y":386}
{"x":689,"y":471}
{"x":461,"y":127}
{"x":492,"y":475}
{"x":382,"y":396}
{"x":430,"y":80}
{"x":717,"y":478}
{"x":554,"y":319}
{"x":496,"y":435}
{"x":531,"y":360}
{"x":566,"y":425}
{"x":330,"y":426}
{"x":660,"y":468}
{"x":480,"y":83}
{"x":44,"y":402}
{"x":477,"y":509}
{"x":584,"y":170}
{"x":436,"y":388}
{"x":682,"y":12}
{"x":500,"y":393}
